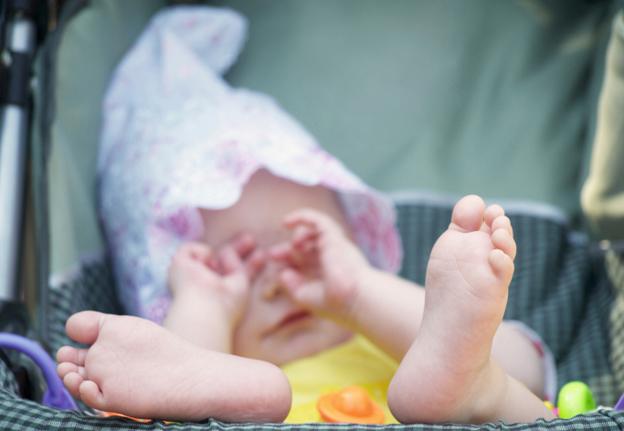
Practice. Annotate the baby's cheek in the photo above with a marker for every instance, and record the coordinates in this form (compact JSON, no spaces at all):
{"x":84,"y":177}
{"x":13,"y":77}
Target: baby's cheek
{"x":246,"y":339}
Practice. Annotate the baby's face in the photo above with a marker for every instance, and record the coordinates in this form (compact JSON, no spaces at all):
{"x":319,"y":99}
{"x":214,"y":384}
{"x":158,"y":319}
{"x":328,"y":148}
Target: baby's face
{"x":277,"y":330}
{"x":273,"y":327}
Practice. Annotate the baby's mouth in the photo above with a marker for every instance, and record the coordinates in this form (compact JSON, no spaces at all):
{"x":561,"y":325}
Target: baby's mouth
{"x":291,"y":318}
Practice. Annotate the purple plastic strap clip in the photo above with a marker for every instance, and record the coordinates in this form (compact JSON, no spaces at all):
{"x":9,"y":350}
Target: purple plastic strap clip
{"x":619,"y":406}
{"x":56,"y":395}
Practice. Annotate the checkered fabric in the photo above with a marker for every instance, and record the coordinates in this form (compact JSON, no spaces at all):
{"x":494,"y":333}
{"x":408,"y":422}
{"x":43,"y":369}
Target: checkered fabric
{"x":7,"y":379}
{"x":22,"y":415}
{"x":560,"y":289}
{"x":615,"y":267}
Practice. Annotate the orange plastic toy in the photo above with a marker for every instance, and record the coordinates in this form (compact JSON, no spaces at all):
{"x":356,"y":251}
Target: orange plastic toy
{"x":119,"y":415}
{"x":350,"y":405}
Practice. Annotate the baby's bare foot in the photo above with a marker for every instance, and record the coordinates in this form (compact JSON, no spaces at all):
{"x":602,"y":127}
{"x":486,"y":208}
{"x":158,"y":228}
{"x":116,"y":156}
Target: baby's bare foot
{"x":137,"y":368}
{"x":447,"y":375}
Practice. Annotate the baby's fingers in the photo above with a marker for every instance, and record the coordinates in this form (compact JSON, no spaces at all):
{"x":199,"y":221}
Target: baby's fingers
{"x":312,"y":219}
{"x":196,"y":253}
{"x":255,"y":262}
{"x":230,"y":261}
{"x":304,"y":238}
{"x":244,"y":244}
{"x":308,"y":293}
{"x":304,"y":256}
{"x":283,"y":252}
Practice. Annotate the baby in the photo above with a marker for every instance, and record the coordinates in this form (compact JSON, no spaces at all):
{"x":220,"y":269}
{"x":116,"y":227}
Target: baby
{"x":270,"y":299}
{"x":255,"y":249}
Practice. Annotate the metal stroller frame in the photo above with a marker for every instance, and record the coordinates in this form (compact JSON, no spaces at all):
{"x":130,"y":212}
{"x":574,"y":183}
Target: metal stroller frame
{"x":18,"y":37}
{"x":19,"y":31}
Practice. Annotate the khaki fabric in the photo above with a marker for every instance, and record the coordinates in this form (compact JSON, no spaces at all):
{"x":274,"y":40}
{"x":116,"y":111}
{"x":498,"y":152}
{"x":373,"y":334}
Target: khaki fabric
{"x":603,"y":192}
{"x":452,"y":97}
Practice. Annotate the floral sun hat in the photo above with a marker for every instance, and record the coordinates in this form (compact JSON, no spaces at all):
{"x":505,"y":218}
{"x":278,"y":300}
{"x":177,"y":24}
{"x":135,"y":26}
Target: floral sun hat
{"x":176,"y":137}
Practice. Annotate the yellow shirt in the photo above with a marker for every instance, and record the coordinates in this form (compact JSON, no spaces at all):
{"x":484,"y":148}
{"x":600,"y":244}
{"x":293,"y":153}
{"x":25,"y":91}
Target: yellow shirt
{"x":356,"y":362}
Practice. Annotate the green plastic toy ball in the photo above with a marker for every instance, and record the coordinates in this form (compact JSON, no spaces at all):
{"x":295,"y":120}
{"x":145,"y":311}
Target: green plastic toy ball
{"x":575,"y":398}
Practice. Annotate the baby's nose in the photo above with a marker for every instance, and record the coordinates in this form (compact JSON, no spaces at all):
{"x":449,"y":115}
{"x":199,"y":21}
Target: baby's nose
{"x":272,"y":289}
{"x":271,"y":286}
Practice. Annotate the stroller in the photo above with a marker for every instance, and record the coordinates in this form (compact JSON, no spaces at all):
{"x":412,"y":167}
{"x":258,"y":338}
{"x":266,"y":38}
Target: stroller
{"x":566,"y":286}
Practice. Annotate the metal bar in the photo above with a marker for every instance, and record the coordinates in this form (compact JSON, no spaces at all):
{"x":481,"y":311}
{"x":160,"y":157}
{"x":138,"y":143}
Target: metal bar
{"x":14,"y":122}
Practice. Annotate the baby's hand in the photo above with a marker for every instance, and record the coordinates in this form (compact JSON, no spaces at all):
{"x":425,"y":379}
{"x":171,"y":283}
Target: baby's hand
{"x":324,"y":266}
{"x":224,"y":276}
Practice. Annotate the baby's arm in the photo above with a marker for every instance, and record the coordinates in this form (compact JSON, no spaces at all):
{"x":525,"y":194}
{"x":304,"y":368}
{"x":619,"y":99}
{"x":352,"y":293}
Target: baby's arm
{"x":209,"y":291}
{"x":329,"y":274}
{"x":388,"y":310}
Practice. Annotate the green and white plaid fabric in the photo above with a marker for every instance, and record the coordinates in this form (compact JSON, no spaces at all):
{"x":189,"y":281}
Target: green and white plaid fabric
{"x":21,"y":415}
{"x":615,"y":268}
{"x":560,"y":290}
{"x":7,"y":379}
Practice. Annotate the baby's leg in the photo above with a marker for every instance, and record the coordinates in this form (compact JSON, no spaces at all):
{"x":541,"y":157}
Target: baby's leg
{"x":523,"y":359}
{"x":448,"y":373}
{"x":135,"y":367}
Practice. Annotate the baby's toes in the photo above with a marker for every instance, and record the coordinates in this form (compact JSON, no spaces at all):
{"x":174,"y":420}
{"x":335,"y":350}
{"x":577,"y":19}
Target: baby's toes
{"x":91,"y":395}
{"x":71,"y":354}
{"x":502,"y":265}
{"x":72,"y":382}
{"x":502,"y":240}
{"x":492,"y":212}
{"x":502,"y":222}
{"x":65,"y":368}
